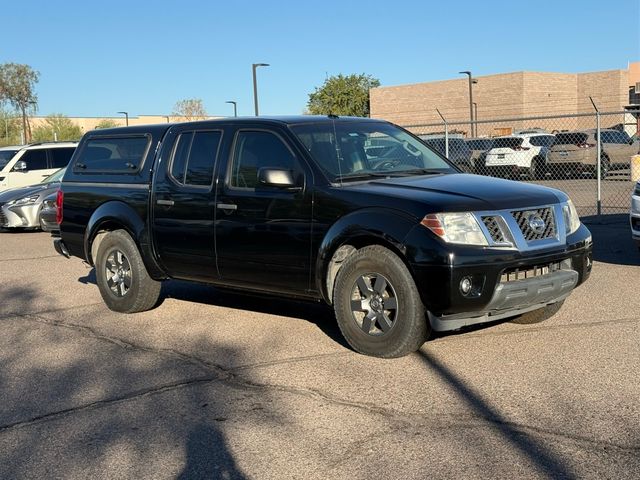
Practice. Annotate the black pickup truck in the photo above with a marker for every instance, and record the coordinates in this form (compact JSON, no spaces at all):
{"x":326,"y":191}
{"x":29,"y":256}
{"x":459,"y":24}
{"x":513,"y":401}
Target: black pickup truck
{"x":355,"y":212}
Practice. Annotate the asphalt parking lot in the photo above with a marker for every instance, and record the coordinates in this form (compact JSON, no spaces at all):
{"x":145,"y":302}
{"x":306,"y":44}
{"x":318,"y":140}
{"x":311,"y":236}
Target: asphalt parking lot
{"x":218,"y":385}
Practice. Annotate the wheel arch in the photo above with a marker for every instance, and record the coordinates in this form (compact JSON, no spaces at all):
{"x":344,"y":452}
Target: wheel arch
{"x":385,"y":227}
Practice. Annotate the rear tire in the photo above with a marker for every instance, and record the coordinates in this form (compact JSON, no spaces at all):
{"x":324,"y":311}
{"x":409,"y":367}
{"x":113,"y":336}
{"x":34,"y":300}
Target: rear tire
{"x":377,"y":304}
{"x":537,"y":169}
{"x":539,"y":315}
{"x":123,"y":280}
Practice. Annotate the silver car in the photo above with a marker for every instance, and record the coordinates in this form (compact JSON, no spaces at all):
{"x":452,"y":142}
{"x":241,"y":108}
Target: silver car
{"x":20,"y":207}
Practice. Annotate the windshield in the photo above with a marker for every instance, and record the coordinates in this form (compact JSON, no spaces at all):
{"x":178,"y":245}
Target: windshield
{"x":55,"y":177}
{"x":5,"y":156}
{"x":361,"y":150}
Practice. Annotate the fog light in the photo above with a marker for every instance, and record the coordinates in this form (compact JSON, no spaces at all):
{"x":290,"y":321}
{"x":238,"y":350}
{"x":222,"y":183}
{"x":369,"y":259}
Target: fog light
{"x":466,"y":285}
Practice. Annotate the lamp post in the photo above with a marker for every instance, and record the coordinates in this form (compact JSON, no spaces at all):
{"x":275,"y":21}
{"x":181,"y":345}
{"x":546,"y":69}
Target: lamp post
{"x":167,"y":117}
{"x":235,"y":104}
{"x":126,"y":115}
{"x":471,"y":82}
{"x":254,"y":66}
{"x":475,"y":117}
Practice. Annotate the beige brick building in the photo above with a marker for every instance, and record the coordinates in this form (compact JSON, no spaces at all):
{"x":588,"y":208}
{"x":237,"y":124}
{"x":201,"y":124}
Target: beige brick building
{"x":507,"y":95}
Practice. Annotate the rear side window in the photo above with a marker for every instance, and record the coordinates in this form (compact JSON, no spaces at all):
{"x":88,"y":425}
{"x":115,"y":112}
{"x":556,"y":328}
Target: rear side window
{"x":113,"y":154}
{"x":36,"y":159}
{"x":194,"y":156}
{"x":615,"y":137}
{"x":60,"y":157}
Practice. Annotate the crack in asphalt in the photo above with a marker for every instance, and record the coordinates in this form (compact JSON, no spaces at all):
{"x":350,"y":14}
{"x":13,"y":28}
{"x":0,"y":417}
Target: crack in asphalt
{"x":103,"y":403}
{"x":233,"y":378}
{"x":53,"y":310}
{"x":24,"y":259}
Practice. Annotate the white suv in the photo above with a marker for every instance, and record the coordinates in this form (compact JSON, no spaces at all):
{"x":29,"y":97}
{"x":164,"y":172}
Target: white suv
{"x":29,"y":164}
{"x":517,"y":154}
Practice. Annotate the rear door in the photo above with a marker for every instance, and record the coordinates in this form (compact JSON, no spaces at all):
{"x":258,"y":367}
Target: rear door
{"x":263,"y":234}
{"x":182,"y":202}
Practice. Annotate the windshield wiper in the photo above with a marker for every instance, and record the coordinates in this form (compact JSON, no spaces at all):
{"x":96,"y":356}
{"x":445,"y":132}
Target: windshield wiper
{"x":416,"y":171}
{"x":361,"y":176}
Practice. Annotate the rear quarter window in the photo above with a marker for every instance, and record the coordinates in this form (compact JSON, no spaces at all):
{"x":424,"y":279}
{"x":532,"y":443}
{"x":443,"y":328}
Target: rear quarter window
{"x":122,"y":153}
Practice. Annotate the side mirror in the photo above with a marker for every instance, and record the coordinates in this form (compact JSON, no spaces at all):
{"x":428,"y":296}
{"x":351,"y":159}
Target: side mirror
{"x":20,"y":166}
{"x":277,"y":178}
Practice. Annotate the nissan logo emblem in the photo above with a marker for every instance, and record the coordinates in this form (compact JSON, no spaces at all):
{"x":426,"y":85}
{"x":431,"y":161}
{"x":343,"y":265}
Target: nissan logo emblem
{"x":536,"y":223}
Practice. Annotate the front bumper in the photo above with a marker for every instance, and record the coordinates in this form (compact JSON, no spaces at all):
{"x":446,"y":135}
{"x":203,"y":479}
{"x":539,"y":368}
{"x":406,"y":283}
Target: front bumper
{"x":505,"y":283}
{"x":513,"y":298}
{"x":25,"y":216}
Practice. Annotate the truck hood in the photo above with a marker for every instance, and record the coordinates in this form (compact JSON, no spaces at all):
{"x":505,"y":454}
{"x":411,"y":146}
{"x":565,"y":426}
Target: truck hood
{"x":464,"y":192}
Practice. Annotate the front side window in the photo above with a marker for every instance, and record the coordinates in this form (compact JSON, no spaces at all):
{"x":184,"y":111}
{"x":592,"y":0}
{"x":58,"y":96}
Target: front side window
{"x":194,"y":157}
{"x":255,"y":150}
{"x":350,"y":150}
{"x":35,"y":159}
{"x":113,"y":153}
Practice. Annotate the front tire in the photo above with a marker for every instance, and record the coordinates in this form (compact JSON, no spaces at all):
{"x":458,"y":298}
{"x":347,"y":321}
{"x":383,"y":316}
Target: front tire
{"x":123,"y":280}
{"x":377,"y":304}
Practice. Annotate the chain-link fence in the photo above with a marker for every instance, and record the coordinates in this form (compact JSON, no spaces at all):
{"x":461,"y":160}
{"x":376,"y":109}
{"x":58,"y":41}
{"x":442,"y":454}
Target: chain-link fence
{"x":588,"y":156}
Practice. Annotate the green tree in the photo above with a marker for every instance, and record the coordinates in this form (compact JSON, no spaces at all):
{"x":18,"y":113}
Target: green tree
{"x":190,"y":109}
{"x":9,"y":128}
{"x":17,"y":85}
{"x":57,"y":126}
{"x":343,"y":95}
{"x":107,"y":123}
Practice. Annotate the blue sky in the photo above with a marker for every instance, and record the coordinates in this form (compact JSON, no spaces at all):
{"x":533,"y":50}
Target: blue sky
{"x":98,"y":58}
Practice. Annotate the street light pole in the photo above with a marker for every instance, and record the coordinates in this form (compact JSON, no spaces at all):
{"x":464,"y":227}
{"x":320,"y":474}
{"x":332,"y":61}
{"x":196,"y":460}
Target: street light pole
{"x":126,"y":114}
{"x":475,"y":117}
{"x":254,"y":66}
{"x":467,"y":72}
{"x":235,"y":104}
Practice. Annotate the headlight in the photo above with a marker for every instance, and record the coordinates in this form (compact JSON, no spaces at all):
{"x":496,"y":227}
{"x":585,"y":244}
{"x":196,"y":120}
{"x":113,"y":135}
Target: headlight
{"x":23,"y":201}
{"x":571,"y":218}
{"x":455,"y":228}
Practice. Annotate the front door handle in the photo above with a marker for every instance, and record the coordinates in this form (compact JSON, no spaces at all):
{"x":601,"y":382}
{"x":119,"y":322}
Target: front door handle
{"x":168,"y":203}
{"x":226,"y":206}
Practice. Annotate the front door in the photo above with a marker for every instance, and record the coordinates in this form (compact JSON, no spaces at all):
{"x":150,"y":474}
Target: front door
{"x":263,"y":233}
{"x":182,"y":202}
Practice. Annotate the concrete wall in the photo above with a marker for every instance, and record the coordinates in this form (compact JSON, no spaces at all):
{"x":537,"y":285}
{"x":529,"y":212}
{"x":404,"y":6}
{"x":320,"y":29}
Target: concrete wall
{"x":519,"y":94}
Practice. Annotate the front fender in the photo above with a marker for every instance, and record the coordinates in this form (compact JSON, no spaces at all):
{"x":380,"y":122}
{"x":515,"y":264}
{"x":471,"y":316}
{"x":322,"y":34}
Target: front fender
{"x":366,"y":226}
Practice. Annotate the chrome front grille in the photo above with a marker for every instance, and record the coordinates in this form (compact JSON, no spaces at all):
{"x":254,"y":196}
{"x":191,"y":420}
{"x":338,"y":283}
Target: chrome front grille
{"x":493,"y":227}
{"x":536,"y":224}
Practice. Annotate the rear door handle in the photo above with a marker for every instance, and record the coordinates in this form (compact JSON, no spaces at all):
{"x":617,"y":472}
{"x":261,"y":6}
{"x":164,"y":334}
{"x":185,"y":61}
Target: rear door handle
{"x":226,"y":206}
{"x":168,"y":203}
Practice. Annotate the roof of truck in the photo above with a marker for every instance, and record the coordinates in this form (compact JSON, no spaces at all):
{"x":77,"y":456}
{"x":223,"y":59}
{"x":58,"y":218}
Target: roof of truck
{"x":283,"y":120}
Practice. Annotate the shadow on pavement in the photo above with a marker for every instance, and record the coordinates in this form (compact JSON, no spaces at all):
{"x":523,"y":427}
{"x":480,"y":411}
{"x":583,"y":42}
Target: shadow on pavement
{"x":92,"y":406}
{"x":543,"y":458}
{"x":612,"y":241}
